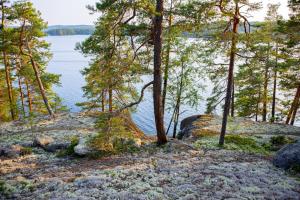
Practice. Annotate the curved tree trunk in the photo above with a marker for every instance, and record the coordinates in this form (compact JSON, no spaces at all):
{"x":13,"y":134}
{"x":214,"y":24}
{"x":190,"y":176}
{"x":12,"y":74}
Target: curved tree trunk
{"x":157,"y":100}
{"x":294,"y":108}
{"x":230,"y":77}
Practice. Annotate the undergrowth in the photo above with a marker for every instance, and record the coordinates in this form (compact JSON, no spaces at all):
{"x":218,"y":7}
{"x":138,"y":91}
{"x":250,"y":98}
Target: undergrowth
{"x":117,"y":135}
{"x":232,"y":142}
{"x":70,"y":150}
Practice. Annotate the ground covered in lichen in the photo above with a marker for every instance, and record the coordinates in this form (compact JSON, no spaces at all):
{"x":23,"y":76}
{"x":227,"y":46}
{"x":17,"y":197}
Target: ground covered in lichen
{"x":179,"y":170}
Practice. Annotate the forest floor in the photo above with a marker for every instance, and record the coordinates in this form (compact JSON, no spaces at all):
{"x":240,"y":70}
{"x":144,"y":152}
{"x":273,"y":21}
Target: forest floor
{"x":178,"y":170}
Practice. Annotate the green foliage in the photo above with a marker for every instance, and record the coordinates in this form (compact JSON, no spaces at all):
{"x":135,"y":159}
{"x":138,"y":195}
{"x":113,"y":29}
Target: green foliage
{"x":70,"y":150}
{"x":277,"y":142}
{"x":6,"y":189}
{"x":232,"y":142}
{"x":115,"y":136}
{"x":25,"y":151}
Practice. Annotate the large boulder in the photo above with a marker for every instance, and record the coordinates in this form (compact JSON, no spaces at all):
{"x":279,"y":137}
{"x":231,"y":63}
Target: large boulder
{"x":56,"y":146}
{"x":42,"y":141}
{"x":288,"y":156}
{"x":12,"y":151}
{"x":49,"y":144}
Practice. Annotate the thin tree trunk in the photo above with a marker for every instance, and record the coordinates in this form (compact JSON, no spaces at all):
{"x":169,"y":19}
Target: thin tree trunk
{"x":103,"y":101}
{"x":39,"y":80}
{"x":265,"y":92}
{"x":166,"y":71}
{"x":110,"y":97}
{"x":157,"y":100}
{"x":178,"y":101}
{"x":274,"y":87}
{"x":232,"y":99}
{"x":21,"y":95}
{"x":295,"y":111}
{"x":293,"y":106}
{"x":257,"y":106}
{"x":230,"y":77}
{"x":6,"y":66}
{"x":29,"y":96}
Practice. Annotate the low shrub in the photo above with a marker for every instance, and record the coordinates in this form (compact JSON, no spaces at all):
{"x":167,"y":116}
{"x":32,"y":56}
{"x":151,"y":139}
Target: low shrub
{"x":25,"y":151}
{"x":70,"y":150}
{"x":117,"y":134}
{"x":232,"y":142}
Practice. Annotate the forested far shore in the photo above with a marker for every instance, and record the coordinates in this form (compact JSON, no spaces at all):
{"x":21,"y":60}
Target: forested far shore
{"x":60,"y":30}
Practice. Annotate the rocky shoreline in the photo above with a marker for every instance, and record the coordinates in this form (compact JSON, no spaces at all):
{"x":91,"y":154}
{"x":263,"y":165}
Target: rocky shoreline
{"x":179,"y":170}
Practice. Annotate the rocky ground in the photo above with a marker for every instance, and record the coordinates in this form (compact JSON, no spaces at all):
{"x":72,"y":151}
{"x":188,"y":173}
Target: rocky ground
{"x":178,"y":170}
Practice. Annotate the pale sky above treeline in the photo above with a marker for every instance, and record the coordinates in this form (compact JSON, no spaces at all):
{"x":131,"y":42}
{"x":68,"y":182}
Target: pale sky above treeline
{"x":74,"y":12}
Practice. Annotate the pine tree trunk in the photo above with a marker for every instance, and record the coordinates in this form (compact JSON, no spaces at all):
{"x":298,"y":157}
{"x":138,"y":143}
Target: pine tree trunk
{"x":178,"y":101}
{"x":110,"y":97}
{"x":293,"y":108}
{"x":230,"y":77}
{"x":21,"y":95}
{"x":295,"y":111}
{"x":40,"y":83}
{"x":9,"y":86}
{"x":29,"y":96}
{"x":274,"y":87}
{"x":103,"y":101}
{"x":166,"y":71}
{"x":6,"y":66}
{"x":232,"y":100}
{"x":265,"y":92}
{"x":157,"y":99}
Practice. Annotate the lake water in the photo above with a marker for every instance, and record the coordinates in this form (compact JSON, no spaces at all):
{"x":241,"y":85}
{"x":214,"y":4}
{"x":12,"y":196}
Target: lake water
{"x":68,"y":62}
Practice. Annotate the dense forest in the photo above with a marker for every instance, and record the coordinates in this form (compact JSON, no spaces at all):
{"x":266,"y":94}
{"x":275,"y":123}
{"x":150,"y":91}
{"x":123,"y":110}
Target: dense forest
{"x":254,"y":66}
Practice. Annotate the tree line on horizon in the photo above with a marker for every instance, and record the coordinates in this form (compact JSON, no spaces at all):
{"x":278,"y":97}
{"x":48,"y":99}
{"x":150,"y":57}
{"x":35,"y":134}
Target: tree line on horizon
{"x":254,"y":68}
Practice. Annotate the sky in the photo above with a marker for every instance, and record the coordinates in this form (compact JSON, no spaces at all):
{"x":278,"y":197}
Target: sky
{"x":74,"y":12}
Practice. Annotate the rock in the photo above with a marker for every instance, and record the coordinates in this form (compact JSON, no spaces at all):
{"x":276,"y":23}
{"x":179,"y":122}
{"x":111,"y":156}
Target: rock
{"x":188,"y":121}
{"x":27,"y":144}
{"x":288,"y":156}
{"x":42,"y":141}
{"x":13,"y":151}
{"x":82,"y":148}
{"x":55,"y":146}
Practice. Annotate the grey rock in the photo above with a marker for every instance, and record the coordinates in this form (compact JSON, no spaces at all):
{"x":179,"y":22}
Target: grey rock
{"x":13,"y":151}
{"x":55,"y":146}
{"x":83,"y":149}
{"x":288,"y":156}
{"x":42,"y":141}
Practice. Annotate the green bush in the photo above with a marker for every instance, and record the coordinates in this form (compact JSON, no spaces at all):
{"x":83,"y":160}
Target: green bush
{"x":25,"y":151}
{"x":6,"y":189}
{"x":277,"y":142}
{"x":116,"y":135}
{"x":70,"y":150}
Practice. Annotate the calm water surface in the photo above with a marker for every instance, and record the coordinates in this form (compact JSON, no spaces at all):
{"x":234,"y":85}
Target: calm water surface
{"x":68,"y":62}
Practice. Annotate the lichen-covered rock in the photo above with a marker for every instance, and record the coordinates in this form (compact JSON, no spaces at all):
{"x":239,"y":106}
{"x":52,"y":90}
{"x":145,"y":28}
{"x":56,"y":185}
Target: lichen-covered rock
{"x":42,"y":141}
{"x":288,"y":156}
{"x":10,"y":151}
{"x":83,"y":148}
{"x":57,"y":145}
